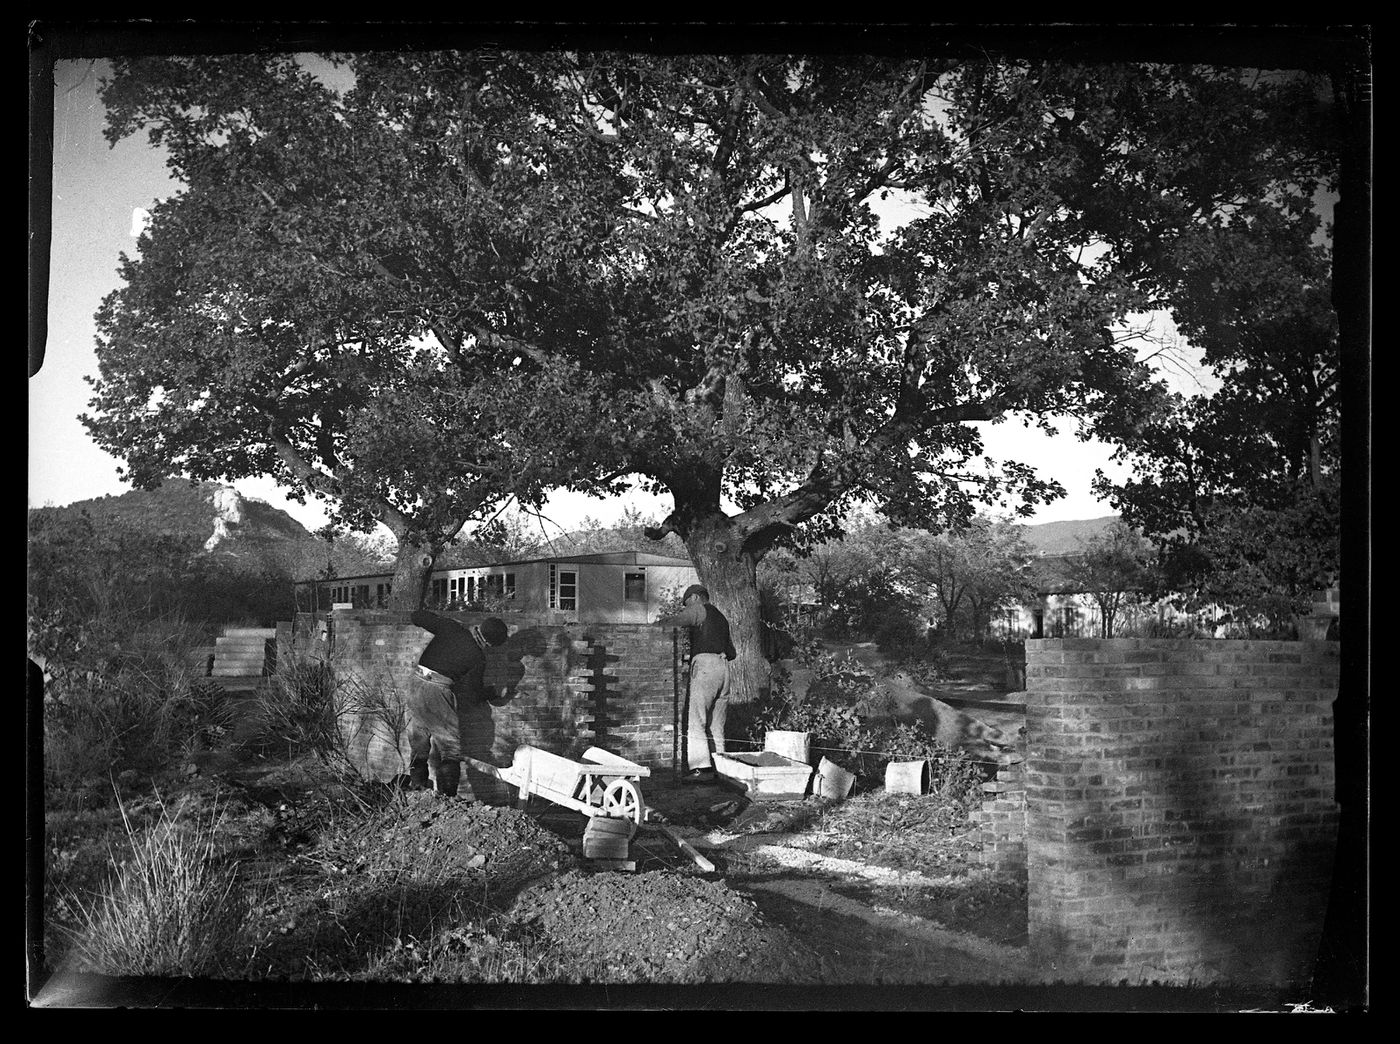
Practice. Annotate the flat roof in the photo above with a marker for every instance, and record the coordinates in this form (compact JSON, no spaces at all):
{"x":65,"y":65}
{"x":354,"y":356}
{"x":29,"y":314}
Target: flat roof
{"x":622,"y":558}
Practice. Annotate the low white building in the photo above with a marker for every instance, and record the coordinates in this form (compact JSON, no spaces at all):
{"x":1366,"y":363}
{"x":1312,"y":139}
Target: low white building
{"x":608,"y":587}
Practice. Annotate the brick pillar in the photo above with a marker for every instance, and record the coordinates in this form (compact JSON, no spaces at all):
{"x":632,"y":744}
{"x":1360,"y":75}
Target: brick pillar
{"x":1180,"y":808}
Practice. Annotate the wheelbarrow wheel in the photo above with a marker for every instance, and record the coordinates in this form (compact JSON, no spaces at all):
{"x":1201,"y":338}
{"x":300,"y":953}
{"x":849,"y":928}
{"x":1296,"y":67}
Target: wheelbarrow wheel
{"x":622,"y":800}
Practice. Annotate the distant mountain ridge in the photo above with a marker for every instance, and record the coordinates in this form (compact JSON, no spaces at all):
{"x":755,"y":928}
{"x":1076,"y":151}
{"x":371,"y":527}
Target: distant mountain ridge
{"x":249,"y":534}
{"x":258,"y":536}
{"x":1063,"y":538}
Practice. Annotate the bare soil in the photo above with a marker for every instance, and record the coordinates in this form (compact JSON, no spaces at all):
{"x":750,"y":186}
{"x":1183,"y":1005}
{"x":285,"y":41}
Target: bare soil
{"x":364,"y":883}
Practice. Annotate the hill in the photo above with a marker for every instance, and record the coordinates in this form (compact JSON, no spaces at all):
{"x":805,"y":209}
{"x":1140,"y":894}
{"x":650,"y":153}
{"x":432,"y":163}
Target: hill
{"x":1062,"y":538}
{"x":250,"y":535}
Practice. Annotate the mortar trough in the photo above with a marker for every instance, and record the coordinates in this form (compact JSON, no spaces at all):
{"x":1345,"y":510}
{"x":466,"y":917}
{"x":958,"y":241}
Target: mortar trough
{"x":764,"y":775}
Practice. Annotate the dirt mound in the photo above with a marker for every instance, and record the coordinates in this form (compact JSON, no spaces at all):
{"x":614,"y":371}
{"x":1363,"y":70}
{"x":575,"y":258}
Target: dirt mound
{"x":665,"y":927}
{"x":428,"y":836}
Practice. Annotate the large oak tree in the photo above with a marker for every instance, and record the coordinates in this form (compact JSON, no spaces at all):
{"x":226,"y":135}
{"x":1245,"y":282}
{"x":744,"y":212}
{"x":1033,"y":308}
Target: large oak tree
{"x":475,"y":275}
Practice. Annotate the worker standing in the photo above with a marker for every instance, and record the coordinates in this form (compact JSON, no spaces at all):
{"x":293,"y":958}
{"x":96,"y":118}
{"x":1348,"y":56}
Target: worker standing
{"x":711,"y":650}
{"x":451,"y":668}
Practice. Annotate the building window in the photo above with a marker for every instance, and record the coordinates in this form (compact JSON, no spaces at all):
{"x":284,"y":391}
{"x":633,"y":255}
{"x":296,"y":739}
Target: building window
{"x":1071,"y":624}
{"x":438,"y":598}
{"x":382,"y":593}
{"x":634,"y":587}
{"x":563,"y":588}
{"x":499,"y":585}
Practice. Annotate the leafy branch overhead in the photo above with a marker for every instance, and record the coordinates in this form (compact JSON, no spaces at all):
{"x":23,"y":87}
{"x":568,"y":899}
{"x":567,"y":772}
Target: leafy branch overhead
{"x":787,"y":283}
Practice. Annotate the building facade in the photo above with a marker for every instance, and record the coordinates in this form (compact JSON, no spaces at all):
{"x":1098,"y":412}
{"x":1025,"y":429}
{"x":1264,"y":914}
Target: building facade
{"x":609,"y":587}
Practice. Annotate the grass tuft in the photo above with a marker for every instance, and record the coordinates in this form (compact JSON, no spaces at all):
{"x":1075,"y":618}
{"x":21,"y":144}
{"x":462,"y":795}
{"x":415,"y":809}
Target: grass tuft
{"x":171,"y":908}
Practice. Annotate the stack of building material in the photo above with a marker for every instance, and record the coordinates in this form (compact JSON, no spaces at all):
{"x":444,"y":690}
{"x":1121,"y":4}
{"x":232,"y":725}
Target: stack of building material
{"x":243,"y":656}
{"x":607,"y":838}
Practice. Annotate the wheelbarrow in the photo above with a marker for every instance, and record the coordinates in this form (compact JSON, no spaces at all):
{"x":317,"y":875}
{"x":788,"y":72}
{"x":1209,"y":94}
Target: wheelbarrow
{"x":600,"y":784}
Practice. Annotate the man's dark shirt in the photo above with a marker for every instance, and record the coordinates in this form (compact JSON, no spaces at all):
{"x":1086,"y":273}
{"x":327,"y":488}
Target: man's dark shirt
{"x":453,"y":652}
{"x":708,"y":627}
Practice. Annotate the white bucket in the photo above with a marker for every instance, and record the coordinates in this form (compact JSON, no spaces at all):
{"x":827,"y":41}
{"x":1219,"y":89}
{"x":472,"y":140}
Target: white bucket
{"x":796,"y":746}
{"x":906,"y":777}
{"x":833,"y":781}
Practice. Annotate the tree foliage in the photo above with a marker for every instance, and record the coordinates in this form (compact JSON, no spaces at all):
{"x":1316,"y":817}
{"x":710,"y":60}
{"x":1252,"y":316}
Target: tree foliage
{"x":971,"y":572}
{"x":466,"y":278}
{"x":90,"y":586}
{"x":1239,"y":486}
{"x":1116,"y":569}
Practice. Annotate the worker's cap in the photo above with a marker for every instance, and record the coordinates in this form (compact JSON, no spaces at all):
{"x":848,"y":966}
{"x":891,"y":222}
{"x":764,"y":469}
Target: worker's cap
{"x":494,"y":630}
{"x":695,"y":589}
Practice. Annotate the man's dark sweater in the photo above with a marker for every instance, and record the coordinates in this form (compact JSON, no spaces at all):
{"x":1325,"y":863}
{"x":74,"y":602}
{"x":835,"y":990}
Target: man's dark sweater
{"x":453,"y":652}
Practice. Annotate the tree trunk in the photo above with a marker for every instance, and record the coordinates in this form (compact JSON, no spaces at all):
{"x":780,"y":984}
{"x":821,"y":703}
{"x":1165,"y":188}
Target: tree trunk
{"x":412,"y":566}
{"x":730,"y":574}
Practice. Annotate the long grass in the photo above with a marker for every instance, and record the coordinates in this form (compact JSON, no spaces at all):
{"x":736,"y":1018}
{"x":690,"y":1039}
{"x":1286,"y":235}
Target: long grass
{"x":137,"y":706}
{"x":171,"y":907}
{"x":312,"y":707}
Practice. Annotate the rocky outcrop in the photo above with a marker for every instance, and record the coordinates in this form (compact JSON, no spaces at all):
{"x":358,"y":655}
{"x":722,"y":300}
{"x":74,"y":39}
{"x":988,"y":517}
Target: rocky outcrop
{"x":228,"y":511}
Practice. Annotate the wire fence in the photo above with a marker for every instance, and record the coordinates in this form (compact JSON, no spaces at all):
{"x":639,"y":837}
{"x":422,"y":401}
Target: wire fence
{"x":891,"y":754}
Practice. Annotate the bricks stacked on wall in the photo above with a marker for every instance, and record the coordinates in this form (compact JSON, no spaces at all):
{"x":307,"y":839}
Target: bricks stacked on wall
{"x":1001,"y":824}
{"x":632,"y":691}
{"x":573,"y":686}
{"x":1180,"y":809}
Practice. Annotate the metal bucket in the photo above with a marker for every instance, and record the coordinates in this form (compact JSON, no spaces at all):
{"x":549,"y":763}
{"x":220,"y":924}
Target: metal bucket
{"x":906,"y":777}
{"x":796,"y":746}
{"x":833,"y":781}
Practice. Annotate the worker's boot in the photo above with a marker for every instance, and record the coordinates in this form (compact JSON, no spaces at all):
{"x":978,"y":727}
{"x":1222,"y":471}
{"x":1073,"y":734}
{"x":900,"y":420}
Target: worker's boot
{"x":418,"y":774}
{"x":448,"y":775}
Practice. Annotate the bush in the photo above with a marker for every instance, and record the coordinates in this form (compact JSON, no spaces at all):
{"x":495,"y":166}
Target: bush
{"x":310,"y":708}
{"x":170,"y":908}
{"x":127,"y":696}
{"x":843,"y":710}
{"x":1155,"y":628}
{"x":875,"y":605}
{"x":298,"y":710}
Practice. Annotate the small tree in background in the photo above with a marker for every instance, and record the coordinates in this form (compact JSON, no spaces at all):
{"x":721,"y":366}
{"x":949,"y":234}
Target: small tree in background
{"x":969,"y":572}
{"x":1114,"y":568}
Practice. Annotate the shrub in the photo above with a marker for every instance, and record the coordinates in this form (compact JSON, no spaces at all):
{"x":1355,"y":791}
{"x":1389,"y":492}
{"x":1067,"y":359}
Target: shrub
{"x":1155,"y":628}
{"x":124,"y":695}
{"x":170,"y":908}
{"x":844,"y":712}
{"x":875,"y":604}
{"x":298,"y":710}
{"x":311,"y":708}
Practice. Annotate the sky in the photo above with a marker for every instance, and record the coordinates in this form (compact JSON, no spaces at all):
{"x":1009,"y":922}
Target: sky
{"x":98,"y":191}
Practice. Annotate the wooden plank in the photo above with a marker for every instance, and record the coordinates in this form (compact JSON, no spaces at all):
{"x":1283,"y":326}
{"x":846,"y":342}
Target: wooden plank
{"x":599,"y":756}
{"x":546,"y":771}
{"x":605,"y":848}
{"x":603,"y":826}
{"x":689,"y":849}
{"x":488,"y":768}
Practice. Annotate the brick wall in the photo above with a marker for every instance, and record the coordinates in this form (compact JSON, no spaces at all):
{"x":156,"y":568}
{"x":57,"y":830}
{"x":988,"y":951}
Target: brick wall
{"x":1179,"y":808}
{"x":572,"y":686}
{"x":1001,"y":824}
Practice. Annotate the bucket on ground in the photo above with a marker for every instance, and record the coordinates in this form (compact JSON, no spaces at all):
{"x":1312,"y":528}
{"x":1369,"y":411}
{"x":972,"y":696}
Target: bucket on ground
{"x":794,"y":745}
{"x":833,"y":781}
{"x":906,"y":777}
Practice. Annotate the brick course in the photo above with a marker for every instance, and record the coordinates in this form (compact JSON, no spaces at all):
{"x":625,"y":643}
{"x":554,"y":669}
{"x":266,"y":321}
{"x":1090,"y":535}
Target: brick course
{"x":1179,"y":808}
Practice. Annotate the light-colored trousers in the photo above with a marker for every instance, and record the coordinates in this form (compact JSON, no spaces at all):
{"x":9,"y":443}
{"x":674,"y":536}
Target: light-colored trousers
{"x":709,"y":706}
